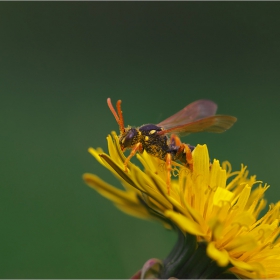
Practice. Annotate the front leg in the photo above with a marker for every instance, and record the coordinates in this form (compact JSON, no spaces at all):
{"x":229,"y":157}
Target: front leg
{"x":137,"y":147}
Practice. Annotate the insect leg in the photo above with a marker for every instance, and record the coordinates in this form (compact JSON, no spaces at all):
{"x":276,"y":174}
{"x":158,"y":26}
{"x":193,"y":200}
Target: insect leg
{"x":183,"y":153}
{"x":137,"y":147}
{"x":189,"y":157}
{"x":175,"y":140}
{"x":169,"y":168}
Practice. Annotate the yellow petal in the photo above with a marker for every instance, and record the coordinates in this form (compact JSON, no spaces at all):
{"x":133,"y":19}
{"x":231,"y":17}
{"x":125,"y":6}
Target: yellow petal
{"x":108,"y":191}
{"x":95,"y":153}
{"x":217,"y":227}
{"x":243,"y":198}
{"x":222,"y":195}
{"x":114,"y":148}
{"x":201,"y":164}
{"x":217,"y":176}
{"x":242,"y":244}
{"x":183,"y":223}
{"x":220,"y":256}
{"x":125,"y":200}
{"x":134,"y":210}
{"x":200,"y":175}
{"x":242,"y":265}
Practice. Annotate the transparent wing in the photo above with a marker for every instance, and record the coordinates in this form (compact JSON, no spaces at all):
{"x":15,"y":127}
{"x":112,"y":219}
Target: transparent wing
{"x":216,"y":124}
{"x":197,"y":110}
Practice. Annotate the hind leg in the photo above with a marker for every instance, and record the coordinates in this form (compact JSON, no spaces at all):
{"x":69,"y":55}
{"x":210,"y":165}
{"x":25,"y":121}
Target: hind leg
{"x":183,"y":153}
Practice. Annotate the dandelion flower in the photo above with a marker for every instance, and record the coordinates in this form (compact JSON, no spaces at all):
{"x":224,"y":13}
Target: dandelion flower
{"x":216,"y":212}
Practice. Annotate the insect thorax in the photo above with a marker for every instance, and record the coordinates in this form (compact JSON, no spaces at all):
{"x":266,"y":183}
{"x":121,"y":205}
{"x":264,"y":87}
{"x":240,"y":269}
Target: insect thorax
{"x":153,"y":143}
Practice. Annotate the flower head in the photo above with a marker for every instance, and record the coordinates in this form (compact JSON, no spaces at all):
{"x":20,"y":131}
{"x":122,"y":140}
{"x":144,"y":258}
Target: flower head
{"x":215,"y":211}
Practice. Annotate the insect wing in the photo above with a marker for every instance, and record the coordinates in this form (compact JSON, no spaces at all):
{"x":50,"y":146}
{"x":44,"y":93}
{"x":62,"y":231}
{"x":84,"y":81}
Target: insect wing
{"x":197,"y":110}
{"x":216,"y":124}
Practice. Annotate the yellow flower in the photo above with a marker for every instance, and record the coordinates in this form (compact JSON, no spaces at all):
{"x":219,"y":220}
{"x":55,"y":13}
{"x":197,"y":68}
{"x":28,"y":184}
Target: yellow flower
{"x":216,"y":208}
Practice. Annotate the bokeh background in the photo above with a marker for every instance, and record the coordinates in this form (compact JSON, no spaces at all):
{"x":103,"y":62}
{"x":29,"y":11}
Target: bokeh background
{"x":60,"y":61}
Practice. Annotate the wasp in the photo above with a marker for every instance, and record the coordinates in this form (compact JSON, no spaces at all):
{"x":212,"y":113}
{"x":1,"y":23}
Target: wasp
{"x":162,"y":140}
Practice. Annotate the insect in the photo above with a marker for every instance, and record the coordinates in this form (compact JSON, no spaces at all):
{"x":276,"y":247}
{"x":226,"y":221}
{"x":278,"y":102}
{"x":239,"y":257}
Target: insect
{"x":162,"y":140}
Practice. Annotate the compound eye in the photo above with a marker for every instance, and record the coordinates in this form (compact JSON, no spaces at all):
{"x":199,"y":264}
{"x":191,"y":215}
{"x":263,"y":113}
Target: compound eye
{"x":128,"y":138}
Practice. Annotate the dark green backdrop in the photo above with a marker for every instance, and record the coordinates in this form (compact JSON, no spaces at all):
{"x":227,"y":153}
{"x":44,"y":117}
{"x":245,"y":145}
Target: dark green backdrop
{"x":60,"y":61}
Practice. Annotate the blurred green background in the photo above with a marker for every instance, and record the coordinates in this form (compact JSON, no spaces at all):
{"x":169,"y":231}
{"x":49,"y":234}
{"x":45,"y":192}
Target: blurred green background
{"x":59,"y":63}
